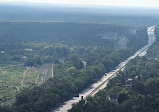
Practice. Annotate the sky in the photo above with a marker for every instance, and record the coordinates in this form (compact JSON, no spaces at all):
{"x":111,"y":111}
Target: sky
{"x":144,"y":3}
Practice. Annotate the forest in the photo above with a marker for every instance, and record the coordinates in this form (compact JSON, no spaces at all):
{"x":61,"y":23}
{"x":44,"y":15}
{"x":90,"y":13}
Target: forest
{"x":133,"y":90}
{"x":71,"y":75}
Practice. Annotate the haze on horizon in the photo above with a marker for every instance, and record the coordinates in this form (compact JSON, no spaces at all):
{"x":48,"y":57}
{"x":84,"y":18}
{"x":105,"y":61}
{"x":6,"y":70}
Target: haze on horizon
{"x":142,"y":3}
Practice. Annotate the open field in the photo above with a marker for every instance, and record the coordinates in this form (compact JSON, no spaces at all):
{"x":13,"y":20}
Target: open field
{"x":15,"y":79}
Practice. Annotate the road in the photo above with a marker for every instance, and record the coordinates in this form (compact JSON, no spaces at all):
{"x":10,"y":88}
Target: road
{"x":45,"y":74}
{"x":52,"y":72}
{"x":101,"y":84}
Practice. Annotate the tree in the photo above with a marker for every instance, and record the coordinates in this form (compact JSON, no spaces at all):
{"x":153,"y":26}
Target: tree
{"x":71,"y":70}
{"x":76,"y":61}
{"x":123,"y":96}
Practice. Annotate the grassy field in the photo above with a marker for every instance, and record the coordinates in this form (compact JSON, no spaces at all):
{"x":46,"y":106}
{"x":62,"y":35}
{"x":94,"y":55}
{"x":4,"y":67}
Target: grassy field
{"x":15,"y":79}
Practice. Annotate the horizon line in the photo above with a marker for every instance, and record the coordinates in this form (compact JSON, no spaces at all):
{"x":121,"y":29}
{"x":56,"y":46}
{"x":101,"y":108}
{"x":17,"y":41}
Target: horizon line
{"x":75,"y":4}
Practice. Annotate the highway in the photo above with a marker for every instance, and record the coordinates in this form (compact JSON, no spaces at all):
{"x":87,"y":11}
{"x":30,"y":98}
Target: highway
{"x":101,"y":84}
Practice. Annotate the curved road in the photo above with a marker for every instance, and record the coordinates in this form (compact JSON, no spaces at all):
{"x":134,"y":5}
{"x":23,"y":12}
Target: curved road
{"x":101,"y":84}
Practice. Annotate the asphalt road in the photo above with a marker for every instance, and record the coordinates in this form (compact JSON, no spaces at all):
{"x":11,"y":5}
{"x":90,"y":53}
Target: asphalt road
{"x":102,"y":83}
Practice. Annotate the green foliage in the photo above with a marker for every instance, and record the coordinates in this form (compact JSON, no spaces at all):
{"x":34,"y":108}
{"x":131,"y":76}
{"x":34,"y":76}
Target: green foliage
{"x":14,"y":79}
{"x":68,"y":52}
{"x":123,"y":96}
{"x":139,"y":90}
{"x":77,"y":63}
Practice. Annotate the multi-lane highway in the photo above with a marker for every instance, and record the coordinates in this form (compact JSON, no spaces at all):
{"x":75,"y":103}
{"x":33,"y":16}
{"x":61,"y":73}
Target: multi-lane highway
{"x":101,"y":84}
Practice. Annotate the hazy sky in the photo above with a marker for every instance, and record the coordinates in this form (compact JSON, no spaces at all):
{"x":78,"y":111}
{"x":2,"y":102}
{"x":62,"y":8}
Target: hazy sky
{"x":149,"y":3}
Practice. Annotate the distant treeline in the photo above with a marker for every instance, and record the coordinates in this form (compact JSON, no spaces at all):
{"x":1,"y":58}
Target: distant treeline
{"x":66,"y":32}
{"x":49,"y":42}
{"x":105,"y":14}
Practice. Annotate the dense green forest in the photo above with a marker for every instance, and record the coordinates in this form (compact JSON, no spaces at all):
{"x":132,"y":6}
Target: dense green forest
{"x":133,"y":90}
{"x":71,"y":75}
{"x":20,"y":39}
{"x":62,"y":32}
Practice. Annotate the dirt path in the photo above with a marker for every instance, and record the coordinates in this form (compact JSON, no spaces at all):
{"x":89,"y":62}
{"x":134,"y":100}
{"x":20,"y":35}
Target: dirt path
{"x":45,"y":75}
{"x":7,"y":102}
{"x":22,"y":81}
